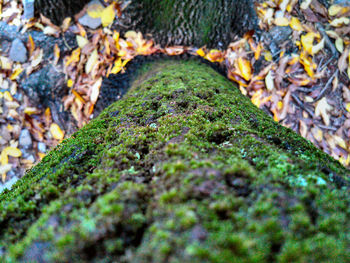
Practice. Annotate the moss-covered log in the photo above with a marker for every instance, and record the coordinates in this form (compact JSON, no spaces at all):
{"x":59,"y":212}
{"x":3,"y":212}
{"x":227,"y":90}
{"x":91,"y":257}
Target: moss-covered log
{"x":173,"y":22}
{"x":182,"y":169}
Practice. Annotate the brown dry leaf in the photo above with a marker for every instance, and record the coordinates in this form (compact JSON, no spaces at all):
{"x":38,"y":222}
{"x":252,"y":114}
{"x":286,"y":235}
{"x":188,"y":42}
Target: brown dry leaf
{"x":95,"y":91}
{"x":31,"y":45}
{"x":56,"y":52}
{"x":92,"y":61}
{"x":342,"y":62}
{"x":37,"y":58}
{"x":66,"y":23}
{"x":269,"y":81}
{"x":322,"y":108}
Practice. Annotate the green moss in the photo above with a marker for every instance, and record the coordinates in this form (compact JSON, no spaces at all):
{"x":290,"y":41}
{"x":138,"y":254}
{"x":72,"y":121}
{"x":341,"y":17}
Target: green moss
{"x":182,"y":169}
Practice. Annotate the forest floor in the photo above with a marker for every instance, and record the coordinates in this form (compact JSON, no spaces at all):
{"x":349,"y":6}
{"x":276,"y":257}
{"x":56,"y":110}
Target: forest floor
{"x":296,"y":69}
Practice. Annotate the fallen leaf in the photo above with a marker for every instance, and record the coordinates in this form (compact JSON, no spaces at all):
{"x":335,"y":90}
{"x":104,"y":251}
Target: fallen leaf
{"x":269,"y":81}
{"x":245,"y":68}
{"x":295,"y":24}
{"x":95,"y":10}
{"x":56,"y":52}
{"x":13,"y":152}
{"x":339,"y":44}
{"x":82,"y":41}
{"x":334,"y":10}
{"x":56,"y":132}
{"x":322,"y":108}
{"x":95,"y":91}
{"x":91,"y":61}
{"x":108,"y":15}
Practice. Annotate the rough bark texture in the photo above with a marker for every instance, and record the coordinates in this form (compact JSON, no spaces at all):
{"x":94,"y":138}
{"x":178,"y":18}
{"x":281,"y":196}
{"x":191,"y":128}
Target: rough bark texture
{"x":182,"y":169}
{"x":193,"y":22}
{"x":171,"y":22}
{"x":58,"y":10}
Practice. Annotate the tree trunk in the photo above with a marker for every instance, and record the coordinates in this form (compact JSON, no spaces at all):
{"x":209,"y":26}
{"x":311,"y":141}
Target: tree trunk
{"x":172,"y":22}
{"x":183,"y":169}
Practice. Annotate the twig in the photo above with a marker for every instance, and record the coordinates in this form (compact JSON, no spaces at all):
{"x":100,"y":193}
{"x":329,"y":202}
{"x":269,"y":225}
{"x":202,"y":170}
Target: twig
{"x":327,"y":85}
{"x":301,"y":105}
{"x":328,"y":42}
{"x":327,"y":127}
{"x":65,"y":42}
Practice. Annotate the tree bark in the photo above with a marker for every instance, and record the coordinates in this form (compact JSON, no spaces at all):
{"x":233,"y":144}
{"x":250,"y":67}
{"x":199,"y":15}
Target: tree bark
{"x":183,"y":169}
{"x":171,"y":22}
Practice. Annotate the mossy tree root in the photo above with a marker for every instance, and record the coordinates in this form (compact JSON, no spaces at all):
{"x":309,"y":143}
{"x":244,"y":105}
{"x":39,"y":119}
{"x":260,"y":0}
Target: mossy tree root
{"x":182,"y":169}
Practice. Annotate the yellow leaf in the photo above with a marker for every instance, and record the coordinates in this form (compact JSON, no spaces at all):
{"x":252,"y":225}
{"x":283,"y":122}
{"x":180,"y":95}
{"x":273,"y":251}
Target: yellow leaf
{"x":75,"y":57}
{"x":4,"y":158}
{"x":70,"y":83}
{"x":82,"y":41}
{"x":41,"y":155}
{"x":31,"y":45}
{"x":7,"y":96}
{"x":295,"y":24}
{"x":95,"y":10}
{"x":307,"y":41}
{"x":56,"y":132}
{"x":340,"y":21}
{"x":16,"y":73}
{"x":280,"y":105}
{"x":77,"y":95}
{"x":31,"y":110}
{"x":315,"y":49}
{"x":334,"y":10}
{"x":91,"y":61}
{"x":339,"y":44}
{"x":200,"y":52}
{"x":117,"y":66}
{"x":268,"y":56}
{"x":108,"y":15}
{"x":348,"y":107}
{"x":116,"y":36}
{"x":245,"y":68}
{"x":340,"y":141}
{"x":281,"y":21}
{"x":13,"y":152}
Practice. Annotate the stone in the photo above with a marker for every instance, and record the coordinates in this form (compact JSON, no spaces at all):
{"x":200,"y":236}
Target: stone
{"x":89,"y":21}
{"x":28,"y":6}
{"x":18,"y":51}
{"x":41,"y":147}
{"x":25,"y":139}
{"x":8,"y":184}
